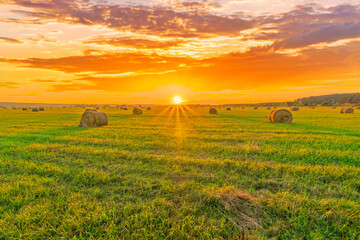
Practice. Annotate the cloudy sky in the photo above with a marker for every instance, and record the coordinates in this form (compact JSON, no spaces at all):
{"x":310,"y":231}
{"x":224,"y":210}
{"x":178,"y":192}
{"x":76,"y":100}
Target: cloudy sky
{"x":208,"y":51}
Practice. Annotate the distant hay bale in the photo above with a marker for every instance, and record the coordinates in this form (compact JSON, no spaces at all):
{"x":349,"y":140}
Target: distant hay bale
{"x":41,"y":109}
{"x":125,"y":109}
{"x":280,"y":116}
{"x":294,"y":109}
{"x":358,"y":108}
{"x":228,"y":109}
{"x":35,"y":110}
{"x":347,"y":111}
{"x":243,"y":108}
{"x":269,"y":108}
{"x":92,"y":118}
{"x":137,"y":111}
{"x":24,"y":109}
{"x":212,"y":111}
{"x":148,"y":108}
{"x":255,"y":108}
{"x":333,"y":107}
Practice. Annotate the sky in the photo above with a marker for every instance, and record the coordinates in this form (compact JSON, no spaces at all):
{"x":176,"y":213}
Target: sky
{"x":207,"y":51}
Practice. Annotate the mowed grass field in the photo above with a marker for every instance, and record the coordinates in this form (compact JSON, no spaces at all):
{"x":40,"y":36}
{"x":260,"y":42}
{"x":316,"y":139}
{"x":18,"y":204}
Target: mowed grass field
{"x":180,"y":174}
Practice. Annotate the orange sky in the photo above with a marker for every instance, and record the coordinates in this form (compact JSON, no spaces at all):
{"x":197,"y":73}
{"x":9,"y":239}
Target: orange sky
{"x":208,"y":51}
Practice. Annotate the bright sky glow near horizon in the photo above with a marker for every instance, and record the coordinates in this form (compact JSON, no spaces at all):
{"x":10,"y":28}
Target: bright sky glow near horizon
{"x":210,"y":51}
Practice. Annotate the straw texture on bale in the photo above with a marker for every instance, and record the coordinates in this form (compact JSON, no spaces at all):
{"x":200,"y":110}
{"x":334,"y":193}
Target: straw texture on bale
{"x":92,"y":118}
{"x":280,"y":116}
{"x":347,"y":111}
{"x":212,"y":111}
{"x":294,"y":109}
{"x":137,"y":111}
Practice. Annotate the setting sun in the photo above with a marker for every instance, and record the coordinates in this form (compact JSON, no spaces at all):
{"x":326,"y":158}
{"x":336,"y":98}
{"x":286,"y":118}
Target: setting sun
{"x":177,"y":100}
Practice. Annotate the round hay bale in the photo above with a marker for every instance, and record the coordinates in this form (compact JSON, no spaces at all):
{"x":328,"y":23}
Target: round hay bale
{"x":255,"y":108}
{"x":137,"y":111}
{"x":212,"y":111}
{"x":41,"y":109}
{"x":35,"y":110}
{"x":228,"y":109}
{"x":269,"y":108}
{"x":280,"y":116}
{"x":148,"y":108}
{"x":333,"y":107}
{"x":295,"y":109}
{"x":24,"y":109}
{"x":93,"y":119}
{"x":347,"y":111}
{"x":358,"y":108}
{"x":243,"y":108}
{"x":125,"y":109}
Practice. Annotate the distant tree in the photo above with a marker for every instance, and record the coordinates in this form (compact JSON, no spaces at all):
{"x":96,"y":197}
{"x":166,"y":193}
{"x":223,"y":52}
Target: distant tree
{"x":327,"y":103}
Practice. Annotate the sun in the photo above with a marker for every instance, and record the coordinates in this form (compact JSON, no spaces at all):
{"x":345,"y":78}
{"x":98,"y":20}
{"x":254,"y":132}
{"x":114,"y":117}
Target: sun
{"x":177,"y":100}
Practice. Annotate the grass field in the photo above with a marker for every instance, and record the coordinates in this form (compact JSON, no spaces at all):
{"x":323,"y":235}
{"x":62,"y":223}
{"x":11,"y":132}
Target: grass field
{"x":180,"y":175}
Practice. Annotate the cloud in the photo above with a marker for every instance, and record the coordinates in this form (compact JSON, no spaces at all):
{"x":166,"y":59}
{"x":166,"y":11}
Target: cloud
{"x":311,"y":24}
{"x":10,"y":40}
{"x":259,"y":68}
{"x":139,"y":43}
{"x":107,"y":63}
{"x":154,"y":20}
{"x":8,"y":84}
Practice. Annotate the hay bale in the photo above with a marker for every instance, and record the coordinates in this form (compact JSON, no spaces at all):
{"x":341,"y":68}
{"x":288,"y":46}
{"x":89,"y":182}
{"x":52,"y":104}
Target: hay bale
{"x":255,"y":108}
{"x":358,"y":108}
{"x":35,"y":110}
{"x":212,"y":111}
{"x":294,"y":109}
{"x":269,"y":108}
{"x":92,"y":118}
{"x":243,"y":108}
{"x":125,"y":109}
{"x":41,"y":109}
{"x":347,"y":111}
{"x":228,"y":109}
{"x":333,"y":107}
{"x":24,"y":109}
{"x":137,"y":111}
{"x":148,"y":108}
{"x":280,"y":116}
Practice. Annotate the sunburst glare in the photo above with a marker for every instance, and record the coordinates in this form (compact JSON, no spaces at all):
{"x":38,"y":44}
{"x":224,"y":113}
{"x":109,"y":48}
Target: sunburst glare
{"x":177,"y":100}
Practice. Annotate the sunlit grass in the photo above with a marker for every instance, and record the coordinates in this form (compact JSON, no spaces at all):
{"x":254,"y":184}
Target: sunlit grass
{"x":179,"y":173}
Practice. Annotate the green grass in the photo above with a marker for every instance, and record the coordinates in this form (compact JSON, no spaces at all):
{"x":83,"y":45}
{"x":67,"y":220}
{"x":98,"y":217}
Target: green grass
{"x":189,"y":175}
